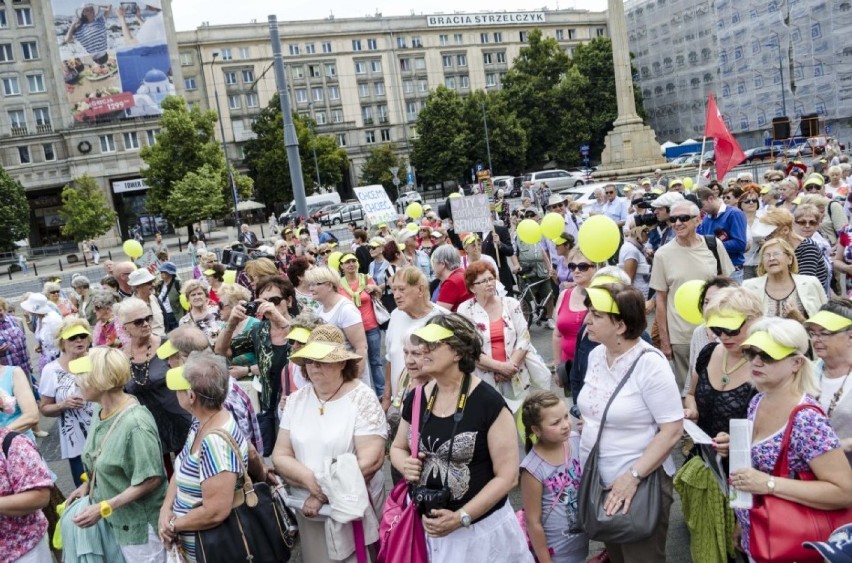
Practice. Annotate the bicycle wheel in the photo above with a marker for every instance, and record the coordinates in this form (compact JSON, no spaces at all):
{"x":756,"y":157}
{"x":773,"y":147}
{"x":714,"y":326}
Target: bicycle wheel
{"x":526,"y":308}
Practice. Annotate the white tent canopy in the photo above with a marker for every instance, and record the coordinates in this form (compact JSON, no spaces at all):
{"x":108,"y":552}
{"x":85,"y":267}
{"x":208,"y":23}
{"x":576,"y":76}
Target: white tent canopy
{"x":688,"y":142}
{"x":248,"y":205}
{"x":667,"y":145}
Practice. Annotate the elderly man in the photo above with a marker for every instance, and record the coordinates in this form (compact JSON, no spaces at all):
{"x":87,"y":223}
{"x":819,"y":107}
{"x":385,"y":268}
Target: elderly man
{"x":85,"y":310}
{"x":662,"y":232}
{"x":411,"y":253}
{"x":727,"y":224}
{"x":614,"y":207}
{"x":660,"y":181}
{"x":142,"y":282}
{"x":122,"y":272}
{"x":452,"y":291}
{"x":687,"y":257}
{"x":247,"y":237}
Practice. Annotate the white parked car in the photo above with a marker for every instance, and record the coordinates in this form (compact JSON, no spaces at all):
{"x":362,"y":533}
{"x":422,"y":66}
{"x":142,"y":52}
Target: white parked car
{"x":586,"y":194}
{"x":556,"y":180}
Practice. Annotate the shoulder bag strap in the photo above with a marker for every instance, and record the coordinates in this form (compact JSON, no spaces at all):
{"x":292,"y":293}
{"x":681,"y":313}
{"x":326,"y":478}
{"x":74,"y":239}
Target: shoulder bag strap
{"x":225,"y":435}
{"x":782,"y":464}
{"x":103,"y":443}
{"x":614,"y":393}
{"x":7,"y":442}
{"x":414,"y":446}
{"x":710,"y":240}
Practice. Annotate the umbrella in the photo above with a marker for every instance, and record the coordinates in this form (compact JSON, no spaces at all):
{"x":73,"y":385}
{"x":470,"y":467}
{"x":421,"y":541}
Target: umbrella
{"x":248,"y":205}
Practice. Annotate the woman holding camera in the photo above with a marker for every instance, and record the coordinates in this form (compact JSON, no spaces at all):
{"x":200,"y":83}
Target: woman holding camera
{"x":468,"y":458}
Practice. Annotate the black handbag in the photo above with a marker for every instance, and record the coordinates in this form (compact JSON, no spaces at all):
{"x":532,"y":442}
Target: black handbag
{"x":254,"y":530}
{"x":645,"y":509}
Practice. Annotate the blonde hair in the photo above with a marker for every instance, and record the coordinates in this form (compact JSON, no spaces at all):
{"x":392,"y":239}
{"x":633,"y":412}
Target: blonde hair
{"x":734,"y":299}
{"x":207,"y":259}
{"x":808,"y":209}
{"x":279,"y":244}
{"x":412,"y":276}
{"x":259,"y":268}
{"x":110,"y":369}
{"x":778,"y":217}
{"x":50,"y":286}
{"x":232,"y":293}
{"x":128,"y":306}
{"x":531,"y":409}
{"x":192,"y":285}
{"x":69,"y":322}
{"x":785,"y":246}
{"x":323,"y":274}
{"x":790,"y":333}
{"x":816,"y":200}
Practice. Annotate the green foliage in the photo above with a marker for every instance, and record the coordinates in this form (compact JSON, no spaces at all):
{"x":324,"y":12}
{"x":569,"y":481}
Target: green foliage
{"x":196,"y":197}
{"x":376,"y":169}
{"x":185,"y":143}
{"x":439,"y":153}
{"x":506,"y":135}
{"x":266,"y":156}
{"x":85,"y":210}
{"x":14,"y":212}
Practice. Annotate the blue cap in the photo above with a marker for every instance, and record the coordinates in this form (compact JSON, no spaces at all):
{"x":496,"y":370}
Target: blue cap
{"x":169,"y":268}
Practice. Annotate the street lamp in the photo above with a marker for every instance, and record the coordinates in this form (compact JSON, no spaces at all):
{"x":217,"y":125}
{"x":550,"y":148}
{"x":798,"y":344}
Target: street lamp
{"x":225,"y":143}
{"x":314,"y":146}
{"x":777,"y":45}
{"x":487,"y":141}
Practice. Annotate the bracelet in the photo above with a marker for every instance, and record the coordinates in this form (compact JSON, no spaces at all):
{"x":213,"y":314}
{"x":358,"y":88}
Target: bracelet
{"x":172,"y":522}
{"x":106,"y":509}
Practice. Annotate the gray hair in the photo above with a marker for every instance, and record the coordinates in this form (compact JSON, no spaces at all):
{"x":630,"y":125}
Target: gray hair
{"x":207,"y":374}
{"x":187,"y":339}
{"x":615,"y":272}
{"x":686,"y":204}
{"x":50,"y":286}
{"x":103,"y":299}
{"x":80,"y":281}
{"x":599,"y":191}
{"x":447,"y":255}
{"x":129,"y":306}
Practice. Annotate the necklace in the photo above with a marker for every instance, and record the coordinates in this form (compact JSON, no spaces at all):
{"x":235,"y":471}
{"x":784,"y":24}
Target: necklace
{"x":726,"y":373}
{"x":322,"y":403}
{"x":146,"y":366}
{"x":115,"y":410}
{"x":837,"y":394}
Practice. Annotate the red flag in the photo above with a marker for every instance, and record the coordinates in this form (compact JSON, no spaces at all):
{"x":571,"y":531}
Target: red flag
{"x":728,"y":153}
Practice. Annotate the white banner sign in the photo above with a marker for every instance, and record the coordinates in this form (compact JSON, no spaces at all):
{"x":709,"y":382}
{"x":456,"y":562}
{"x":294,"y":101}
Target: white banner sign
{"x":474,"y":20}
{"x":376,"y":203}
{"x":471,"y":214}
{"x":122,"y":186}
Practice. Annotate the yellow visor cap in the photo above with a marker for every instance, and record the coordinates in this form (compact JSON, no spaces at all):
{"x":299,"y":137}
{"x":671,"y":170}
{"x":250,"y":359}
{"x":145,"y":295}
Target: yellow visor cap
{"x":166,"y":350}
{"x":763,"y":341}
{"x":299,"y":334}
{"x":80,"y":365}
{"x":603,"y":280}
{"x":726,"y":319}
{"x":433,"y":333}
{"x":602,"y":301}
{"x":176,"y":381}
{"x":74,"y":331}
{"x":831,"y":322}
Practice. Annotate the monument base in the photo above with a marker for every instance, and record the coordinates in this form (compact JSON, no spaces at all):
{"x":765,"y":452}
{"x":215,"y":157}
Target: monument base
{"x":631,"y":148}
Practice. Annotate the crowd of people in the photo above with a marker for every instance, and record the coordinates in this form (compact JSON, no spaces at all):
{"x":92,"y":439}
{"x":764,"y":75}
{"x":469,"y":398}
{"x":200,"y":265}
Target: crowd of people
{"x":318,"y":360}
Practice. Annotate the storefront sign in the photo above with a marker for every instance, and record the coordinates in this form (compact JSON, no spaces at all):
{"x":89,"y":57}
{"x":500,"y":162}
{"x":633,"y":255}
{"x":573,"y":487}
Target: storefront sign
{"x":134,"y":185}
{"x":474,"y":20}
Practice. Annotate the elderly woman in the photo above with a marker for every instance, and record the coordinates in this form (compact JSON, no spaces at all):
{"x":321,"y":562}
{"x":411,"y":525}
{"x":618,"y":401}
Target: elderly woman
{"x":830,"y":331}
{"x":296,"y":274}
{"x":46,"y":322}
{"x":413,"y":256}
{"x":776,"y":350}
{"x":200,"y":314}
{"x":338,"y":311}
{"x":230,"y":296}
{"x":60,"y":396}
{"x":334,"y":414}
{"x":107,"y":332}
{"x":504,"y":331}
{"x":645,"y":418}
{"x":778,"y":224}
{"x":255,"y":270}
{"x":789,"y":188}
{"x":783,"y":291}
{"x":148,"y":376}
{"x":168,"y":293}
{"x":806,"y":223}
{"x":570,"y":309}
{"x":702,"y":335}
{"x":749,"y":203}
{"x":268,"y":341}
{"x":561,"y":275}
{"x":293,"y":376}
{"x":123,"y":451}
{"x":142,"y":282}
{"x":361,"y":289}
{"x":468,"y":446}
{"x":283,"y":253}
{"x":208,"y":469}
{"x":85,"y":309}
{"x":446,"y":265}
{"x":53,"y":292}
{"x":215,"y":277}
{"x":632,"y":259}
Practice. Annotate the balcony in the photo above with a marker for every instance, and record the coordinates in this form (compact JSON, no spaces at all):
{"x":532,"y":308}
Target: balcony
{"x":19,"y":131}
{"x":44,"y":128}
{"x":368,"y":121}
{"x":384,"y":119}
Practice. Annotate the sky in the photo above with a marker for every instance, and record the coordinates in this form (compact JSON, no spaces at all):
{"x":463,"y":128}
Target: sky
{"x":189,"y":14}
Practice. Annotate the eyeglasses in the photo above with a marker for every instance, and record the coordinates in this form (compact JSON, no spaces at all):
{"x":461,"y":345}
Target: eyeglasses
{"x":771,"y":255}
{"x":141,"y":321}
{"x":754,"y":201}
{"x":582,"y":266}
{"x":751,"y":353}
{"x":682,"y":218}
{"x":719,"y":331}
{"x":484,"y":282}
{"x":274,"y":299}
{"x":77,"y":337}
{"x":812,"y":188}
{"x":821,"y":335}
{"x":806,"y":223}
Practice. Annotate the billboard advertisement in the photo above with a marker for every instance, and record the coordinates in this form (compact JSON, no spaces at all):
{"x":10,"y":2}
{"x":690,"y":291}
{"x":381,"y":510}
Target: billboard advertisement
{"x":115,"y":58}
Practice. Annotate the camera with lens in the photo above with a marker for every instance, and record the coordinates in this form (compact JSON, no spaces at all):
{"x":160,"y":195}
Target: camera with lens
{"x":251,"y":308}
{"x":645,"y":220}
{"x":427,"y":499}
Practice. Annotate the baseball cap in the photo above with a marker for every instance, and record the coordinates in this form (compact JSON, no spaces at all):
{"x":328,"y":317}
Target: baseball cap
{"x":838,"y":547}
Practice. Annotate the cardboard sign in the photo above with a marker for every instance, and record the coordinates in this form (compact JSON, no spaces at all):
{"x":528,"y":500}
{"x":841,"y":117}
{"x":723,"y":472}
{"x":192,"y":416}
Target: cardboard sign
{"x":471,"y":214}
{"x":376,"y":204}
{"x":313,"y":232}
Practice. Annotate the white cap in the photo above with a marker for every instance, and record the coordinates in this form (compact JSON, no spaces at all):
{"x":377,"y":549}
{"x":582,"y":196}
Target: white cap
{"x":140,"y":276}
{"x":668,"y":199}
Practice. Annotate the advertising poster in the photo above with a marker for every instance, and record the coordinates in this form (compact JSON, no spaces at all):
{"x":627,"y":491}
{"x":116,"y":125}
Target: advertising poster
{"x":115,"y":58}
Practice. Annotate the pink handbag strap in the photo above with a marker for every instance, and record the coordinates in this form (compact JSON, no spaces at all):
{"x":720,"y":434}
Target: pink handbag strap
{"x":360,"y":543}
{"x":414,"y":446}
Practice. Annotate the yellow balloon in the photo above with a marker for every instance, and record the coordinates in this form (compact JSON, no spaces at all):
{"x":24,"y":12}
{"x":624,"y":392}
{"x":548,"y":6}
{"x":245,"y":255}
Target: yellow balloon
{"x":455,"y":194}
{"x":529,"y":231}
{"x":552,"y":225}
{"x":412,"y":227}
{"x":229,"y":276}
{"x":687,"y":183}
{"x":334,"y":260}
{"x":184,"y":302}
{"x":414,"y":210}
{"x":132,"y":248}
{"x":686,"y":301}
{"x":598,"y":238}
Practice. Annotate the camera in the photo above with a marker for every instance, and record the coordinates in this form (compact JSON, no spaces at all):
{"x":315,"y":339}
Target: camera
{"x":251,"y":308}
{"x":645,"y":220}
{"x":427,"y":499}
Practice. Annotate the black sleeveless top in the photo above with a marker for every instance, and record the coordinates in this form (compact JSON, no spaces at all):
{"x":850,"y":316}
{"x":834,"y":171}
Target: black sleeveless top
{"x":716,"y":408}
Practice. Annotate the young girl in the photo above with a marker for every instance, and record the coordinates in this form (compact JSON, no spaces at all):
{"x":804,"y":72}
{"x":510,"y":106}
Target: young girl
{"x":550,"y":480}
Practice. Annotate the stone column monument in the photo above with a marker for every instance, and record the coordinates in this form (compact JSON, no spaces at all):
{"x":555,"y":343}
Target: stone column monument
{"x":631,"y":147}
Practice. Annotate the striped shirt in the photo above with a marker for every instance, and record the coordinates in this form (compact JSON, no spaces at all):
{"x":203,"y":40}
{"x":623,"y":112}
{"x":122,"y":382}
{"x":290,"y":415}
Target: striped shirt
{"x":215,"y":456}
{"x":92,"y":36}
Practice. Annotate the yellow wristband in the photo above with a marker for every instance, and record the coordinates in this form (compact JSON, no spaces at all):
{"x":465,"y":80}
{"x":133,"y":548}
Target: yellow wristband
{"x":106,"y":509}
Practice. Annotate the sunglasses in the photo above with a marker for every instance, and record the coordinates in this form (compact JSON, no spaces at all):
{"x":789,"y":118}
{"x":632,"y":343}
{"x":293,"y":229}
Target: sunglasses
{"x":751,"y":353}
{"x":557,"y":205}
{"x":581,"y":267}
{"x":750,"y":201}
{"x":77,"y":337}
{"x":324,"y":252}
{"x":609,"y":193}
{"x":312,"y":253}
{"x":682,"y":218}
{"x":812,"y":188}
{"x":719,"y":331}
{"x":806,"y":223}
{"x":54,"y":292}
{"x":275,"y":299}
{"x":141,"y":322}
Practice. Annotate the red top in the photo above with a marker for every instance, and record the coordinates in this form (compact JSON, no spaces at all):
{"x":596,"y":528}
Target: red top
{"x":569,"y":322}
{"x":453,"y":290}
{"x":212,"y":297}
{"x":368,"y":315}
{"x":498,"y":340}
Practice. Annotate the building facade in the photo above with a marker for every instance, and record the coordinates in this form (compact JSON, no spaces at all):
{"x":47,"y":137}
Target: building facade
{"x":762,"y":59}
{"x":363,"y":80}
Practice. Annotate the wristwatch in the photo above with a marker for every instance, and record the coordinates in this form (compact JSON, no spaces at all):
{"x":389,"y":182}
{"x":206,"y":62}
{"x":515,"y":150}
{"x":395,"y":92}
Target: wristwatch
{"x":466,"y":520}
{"x":635,"y":473}
{"x":771,"y":485}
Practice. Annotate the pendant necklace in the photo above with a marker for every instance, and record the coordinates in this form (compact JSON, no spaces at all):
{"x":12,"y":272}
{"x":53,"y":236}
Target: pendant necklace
{"x":726,"y":373}
{"x":322,"y":403}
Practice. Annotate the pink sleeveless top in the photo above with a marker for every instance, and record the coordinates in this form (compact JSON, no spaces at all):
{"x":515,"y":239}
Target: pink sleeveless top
{"x":569,"y":322}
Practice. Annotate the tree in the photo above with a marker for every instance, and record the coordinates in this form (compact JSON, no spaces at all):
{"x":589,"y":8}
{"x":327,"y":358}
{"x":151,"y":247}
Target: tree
{"x":376,"y":169}
{"x":85,"y":210}
{"x":266,"y":156}
{"x":440,"y":151}
{"x":14,"y":212}
{"x":196,"y":197}
{"x":506,"y":136}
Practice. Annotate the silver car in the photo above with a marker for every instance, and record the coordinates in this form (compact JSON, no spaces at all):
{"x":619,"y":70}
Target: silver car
{"x":346,"y":213}
{"x":556,"y":179}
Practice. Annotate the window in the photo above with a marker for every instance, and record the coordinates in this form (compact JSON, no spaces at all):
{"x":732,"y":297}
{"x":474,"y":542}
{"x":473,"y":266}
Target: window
{"x":333,"y":92}
{"x":294,"y":49}
{"x":523,"y":36}
{"x":317,"y":94}
{"x":151,"y":136}
{"x":367,"y":115}
{"x":11,"y":87}
{"x":35,"y":83}
{"x":189,"y":83}
{"x":341,"y":139}
{"x":498,"y":37}
{"x":491,"y":79}
{"x":416,"y":42}
{"x":372,"y":45}
{"x":326,"y":46}
{"x":375,"y":66}
{"x":385,"y":134}
{"x":572,"y":33}
{"x":486,"y":58}
{"x":314,"y":71}
{"x":49,"y":154}
{"x":411,"y":110}
{"x":379,"y":88}
{"x":310,"y":48}
{"x":483,"y":37}
{"x":251,"y":100}
{"x":408,"y":86}
{"x":450,"y":82}
{"x":360,"y":68}
{"x":186,"y":59}
{"x":420,"y":63}
{"x":337,"y":116}
{"x":464,"y":82}
{"x":320,"y":118}
{"x":3,"y":22}
{"x":6,"y":53}
{"x":298,"y":72}
{"x":17,"y":119}
{"x":24,"y":154}
{"x":331,"y":70}
{"x":423,"y":85}
{"x":41,"y":116}
{"x":301,"y":95}
{"x":400,"y":42}
{"x":501,"y":57}
{"x":461,"y":60}
{"x":227,"y":55}
{"x":447,"y":61}
{"x":560,"y":35}
{"x":107,"y":143}
{"x":599,"y":32}
{"x":24,"y":17}
{"x":248,"y":76}
{"x":404,"y":64}
{"x":245,"y":53}
{"x":444,"y":40}
{"x":370,"y":137}
{"x":29,"y":49}
{"x":363,"y":90}
{"x":356,"y":44}
{"x":230,"y":77}
{"x":234,"y":101}
{"x":131,"y":140}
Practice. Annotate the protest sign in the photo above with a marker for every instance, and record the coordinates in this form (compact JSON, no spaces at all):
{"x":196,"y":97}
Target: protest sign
{"x":376,"y":204}
{"x":471,"y":214}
